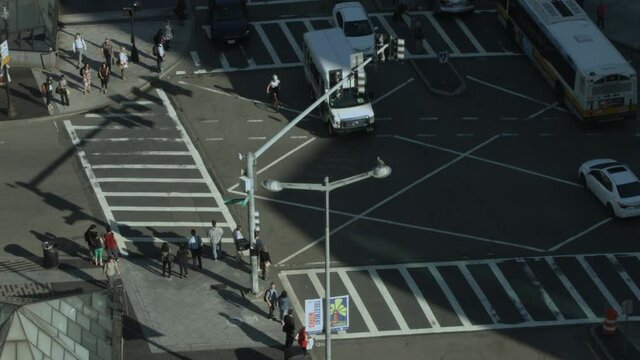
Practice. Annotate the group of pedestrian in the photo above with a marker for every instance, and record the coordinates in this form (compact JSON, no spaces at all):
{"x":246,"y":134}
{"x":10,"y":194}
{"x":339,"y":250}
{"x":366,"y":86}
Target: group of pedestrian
{"x":98,"y":245}
{"x":286,"y":318}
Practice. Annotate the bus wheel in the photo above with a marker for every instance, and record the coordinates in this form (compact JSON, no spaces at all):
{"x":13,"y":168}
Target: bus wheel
{"x":559,"y":93}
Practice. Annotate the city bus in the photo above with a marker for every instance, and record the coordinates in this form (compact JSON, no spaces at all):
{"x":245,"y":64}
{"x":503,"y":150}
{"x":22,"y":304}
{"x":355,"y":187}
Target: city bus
{"x":588,"y":74}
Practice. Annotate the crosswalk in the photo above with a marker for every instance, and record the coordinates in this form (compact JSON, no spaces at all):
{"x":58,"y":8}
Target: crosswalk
{"x":148,"y":177}
{"x":278,"y":43}
{"x":474,"y":295}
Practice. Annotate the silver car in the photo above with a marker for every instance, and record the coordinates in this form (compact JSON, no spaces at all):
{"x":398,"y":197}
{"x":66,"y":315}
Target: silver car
{"x":453,"y":6}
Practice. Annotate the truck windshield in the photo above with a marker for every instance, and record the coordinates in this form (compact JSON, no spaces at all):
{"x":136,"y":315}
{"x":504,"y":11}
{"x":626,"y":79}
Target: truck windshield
{"x":348,"y":97}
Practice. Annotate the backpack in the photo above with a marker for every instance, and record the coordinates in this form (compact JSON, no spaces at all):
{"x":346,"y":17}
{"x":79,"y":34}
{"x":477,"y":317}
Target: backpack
{"x":95,"y":241}
{"x":155,"y":50}
{"x":82,"y":71}
{"x":267,"y":295}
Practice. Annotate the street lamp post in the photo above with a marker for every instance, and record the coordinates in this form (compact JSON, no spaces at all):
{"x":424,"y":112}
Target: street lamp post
{"x":135,"y":7}
{"x":380,"y":171}
{"x":11,"y":111}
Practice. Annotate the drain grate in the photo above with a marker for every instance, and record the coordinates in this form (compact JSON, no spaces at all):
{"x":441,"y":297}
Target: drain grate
{"x":29,"y":290}
{"x":19,"y":266}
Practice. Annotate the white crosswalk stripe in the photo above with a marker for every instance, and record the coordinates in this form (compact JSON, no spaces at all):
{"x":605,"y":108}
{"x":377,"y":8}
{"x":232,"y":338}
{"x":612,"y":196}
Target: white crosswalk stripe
{"x":443,"y":34}
{"x":566,"y":303}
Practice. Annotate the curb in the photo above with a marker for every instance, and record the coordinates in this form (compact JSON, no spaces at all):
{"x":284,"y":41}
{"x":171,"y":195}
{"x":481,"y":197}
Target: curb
{"x":459,"y":90}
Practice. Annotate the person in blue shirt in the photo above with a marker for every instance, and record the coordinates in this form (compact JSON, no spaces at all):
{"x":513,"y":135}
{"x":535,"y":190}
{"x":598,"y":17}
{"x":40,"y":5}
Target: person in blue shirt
{"x":195,"y":246}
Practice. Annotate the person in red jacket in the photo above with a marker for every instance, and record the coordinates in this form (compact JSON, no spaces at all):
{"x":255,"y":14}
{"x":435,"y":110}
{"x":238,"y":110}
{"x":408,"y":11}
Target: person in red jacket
{"x":110,"y":243}
{"x":600,"y":12}
{"x":303,"y":339}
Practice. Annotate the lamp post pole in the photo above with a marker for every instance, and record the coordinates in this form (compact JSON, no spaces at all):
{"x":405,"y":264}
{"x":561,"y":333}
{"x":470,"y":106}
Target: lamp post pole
{"x":379,"y":172}
{"x":131,"y":10}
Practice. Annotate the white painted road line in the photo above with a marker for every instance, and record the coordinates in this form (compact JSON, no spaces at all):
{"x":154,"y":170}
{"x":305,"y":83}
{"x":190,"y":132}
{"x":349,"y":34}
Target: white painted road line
{"x":145,"y":153}
{"x":469,"y":118}
{"x":462,"y":316}
{"x":113,"y":127}
{"x":624,"y":275}
{"x":205,"y":7}
{"x":465,"y":134}
{"x":508,"y":118}
{"x":150,"y":180}
{"x":599,"y":284}
{"x":297,"y":308}
{"x":392,"y":91}
{"x":197,"y":159}
{"x":583,"y":232}
{"x":209,"y":121}
{"x":223,"y":60}
{"x":144,"y":166}
{"x":395,"y":311}
{"x":133,"y":139}
{"x":443,"y":34}
{"x":351,"y":290}
{"x":257,"y":137}
{"x":255,"y":121}
{"x":486,"y":304}
{"x":510,"y":292}
{"x":317,"y":285}
{"x":551,"y":305}
{"x":158,"y":194}
{"x":214,"y":139}
{"x":426,"y":135}
{"x":541,"y":110}
{"x":154,"y":239}
{"x":267,"y":44}
{"x":196,"y":58}
{"x":168,"y":224}
{"x":572,"y":290}
{"x":95,"y":185}
{"x":470,"y":35}
{"x":207,"y":29}
{"x":513,"y":93}
{"x":112,"y":115}
{"x":138,"y":102}
{"x":166,"y":208}
{"x":422,"y":302}
{"x":298,"y":137}
{"x":427,"y":47}
{"x":391,"y":197}
{"x":291,"y":39}
{"x":387,"y":28}
{"x":181,"y":72}
{"x":432,"y":118}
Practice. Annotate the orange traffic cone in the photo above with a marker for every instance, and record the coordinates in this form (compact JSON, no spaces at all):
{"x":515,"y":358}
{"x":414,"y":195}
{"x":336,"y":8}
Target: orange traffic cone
{"x":609,"y":325}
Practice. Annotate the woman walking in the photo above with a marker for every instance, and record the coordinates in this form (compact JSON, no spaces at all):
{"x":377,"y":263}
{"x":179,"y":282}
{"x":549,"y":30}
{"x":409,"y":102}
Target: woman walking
{"x":47,"y":90}
{"x":98,"y":247}
{"x":86,"y":78}
{"x":283,"y":304}
{"x":110,"y":271}
{"x":183,"y":259}
{"x":265,"y":262}
{"x":123,"y":62}
{"x":167,"y":259}
{"x":303,"y":339}
{"x":103,"y":73}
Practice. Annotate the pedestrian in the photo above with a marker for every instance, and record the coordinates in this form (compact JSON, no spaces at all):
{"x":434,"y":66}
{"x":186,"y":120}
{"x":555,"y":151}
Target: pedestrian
{"x":273,"y":88}
{"x":103,"y":74}
{"x":63,"y":90}
{"x":600,"y":13}
{"x":195,"y":246}
{"x":418,"y":35}
{"x":271,"y":298}
{"x":265,"y":261}
{"x":183,"y":258}
{"x":259,"y":242}
{"x":79,"y":47}
{"x":110,"y":244}
{"x":110,"y":270}
{"x":283,"y":304}
{"x":215,"y":236}
{"x":158,"y":52}
{"x":98,"y":246}
{"x":303,"y":339}
{"x":85,"y":72}
{"x":47,"y":91}
{"x":181,"y":5}
{"x":88,"y":236}
{"x":123,"y":62}
{"x":167,"y":35}
{"x":401,"y":6}
{"x":238,"y":240}
{"x":289,"y":328}
{"x":167,"y":259}
{"x":107,"y":52}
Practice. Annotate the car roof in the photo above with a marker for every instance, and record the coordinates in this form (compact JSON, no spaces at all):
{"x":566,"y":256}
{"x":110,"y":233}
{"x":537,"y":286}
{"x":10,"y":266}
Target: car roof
{"x":352,"y":11}
{"x":621,"y":174}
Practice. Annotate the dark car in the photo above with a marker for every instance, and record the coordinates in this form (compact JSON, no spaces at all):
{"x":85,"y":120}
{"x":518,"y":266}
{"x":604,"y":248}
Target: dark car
{"x":229,"y":20}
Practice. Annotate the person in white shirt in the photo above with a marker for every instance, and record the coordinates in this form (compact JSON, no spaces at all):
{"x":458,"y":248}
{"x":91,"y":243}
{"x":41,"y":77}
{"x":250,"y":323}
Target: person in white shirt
{"x":273,"y":88}
{"x":215,"y":235}
{"x":237,"y":238}
{"x":79,"y":47}
{"x":123,"y":62}
{"x":159,"y":53}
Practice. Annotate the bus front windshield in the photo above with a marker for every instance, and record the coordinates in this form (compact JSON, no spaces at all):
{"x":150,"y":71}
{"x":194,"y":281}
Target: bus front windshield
{"x":347,"y":97}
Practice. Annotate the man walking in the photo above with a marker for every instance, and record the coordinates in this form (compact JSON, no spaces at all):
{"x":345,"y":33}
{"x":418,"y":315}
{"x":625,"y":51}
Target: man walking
{"x":63,"y":90}
{"x":195,"y":246}
{"x":600,"y":13}
{"x":88,"y":237}
{"x":79,"y":47}
{"x":110,"y":271}
{"x":271,"y":298}
{"x":158,"y":52}
{"x":110,"y":244}
{"x":47,"y":91}
{"x":107,"y":52}
{"x":289,"y":328}
{"x":215,"y":236}
{"x":237,"y":240}
{"x":167,"y":35}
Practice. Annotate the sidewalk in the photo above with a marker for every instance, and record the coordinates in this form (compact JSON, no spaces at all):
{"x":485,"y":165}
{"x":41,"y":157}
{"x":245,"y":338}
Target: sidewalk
{"x":621,"y":20}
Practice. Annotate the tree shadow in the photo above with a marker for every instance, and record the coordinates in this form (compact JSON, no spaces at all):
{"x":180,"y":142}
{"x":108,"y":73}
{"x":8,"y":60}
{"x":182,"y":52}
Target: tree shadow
{"x":253,"y":333}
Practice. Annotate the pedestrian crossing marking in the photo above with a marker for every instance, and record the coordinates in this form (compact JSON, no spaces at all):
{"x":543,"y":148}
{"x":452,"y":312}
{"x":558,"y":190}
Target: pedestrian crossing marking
{"x":425,"y":44}
{"x":150,"y":180}
{"x":570,"y":288}
{"x":292,"y":41}
{"x":357,"y":301}
{"x":169,"y":223}
{"x":510,"y":292}
{"x":168,"y":209}
{"x":462,"y":316}
{"x":470,"y":35}
{"x":390,"y":302}
{"x":267,"y":44}
{"x":223,"y":60}
{"x":144,"y":166}
{"x":443,"y":34}
{"x":313,"y":277}
{"x":422,"y":302}
{"x":158,"y":194}
{"x":486,"y":304}
{"x":551,"y":305}
{"x":307,"y":24}
{"x":596,"y":280}
{"x":624,"y":275}
{"x":207,"y":30}
{"x":139,"y":153}
{"x":196,"y":58}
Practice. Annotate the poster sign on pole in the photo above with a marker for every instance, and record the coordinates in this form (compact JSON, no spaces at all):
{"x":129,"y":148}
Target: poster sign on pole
{"x":339,"y":306}
{"x":4,"y":52}
{"x":313,"y":315}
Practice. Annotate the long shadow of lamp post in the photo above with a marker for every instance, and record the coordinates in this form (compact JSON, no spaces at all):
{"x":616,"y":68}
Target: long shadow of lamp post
{"x":130,"y":10}
{"x":4,"y":14}
{"x":379,"y":172}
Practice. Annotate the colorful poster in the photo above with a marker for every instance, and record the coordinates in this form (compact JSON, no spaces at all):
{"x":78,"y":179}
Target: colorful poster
{"x":339,"y":306}
{"x":313,"y":316}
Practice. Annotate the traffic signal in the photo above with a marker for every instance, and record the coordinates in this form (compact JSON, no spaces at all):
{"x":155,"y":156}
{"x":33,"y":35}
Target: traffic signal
{"x":361,"y":80}
{"x":400,"y":49}
{"x":256,"y":220}
{"x":393,"y":48}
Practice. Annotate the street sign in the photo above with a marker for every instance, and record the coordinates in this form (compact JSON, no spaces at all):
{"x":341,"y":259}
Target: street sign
{"x":313,"y":316}
{"x":627,"y":307}
{"x":4,"y":52}
{"x":443,"y":57}
{"x":339,"y":306}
